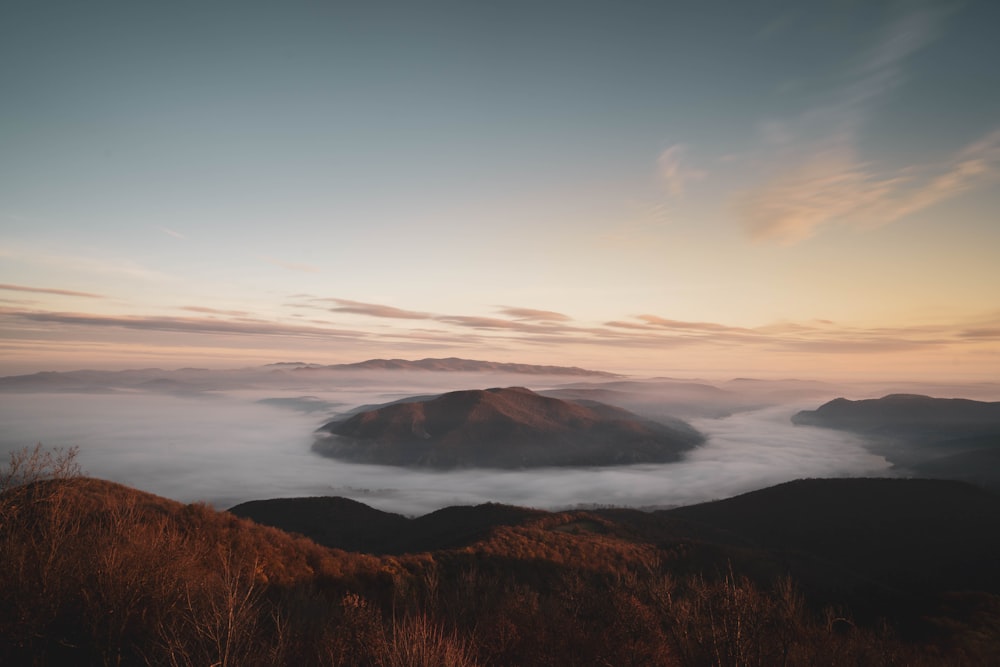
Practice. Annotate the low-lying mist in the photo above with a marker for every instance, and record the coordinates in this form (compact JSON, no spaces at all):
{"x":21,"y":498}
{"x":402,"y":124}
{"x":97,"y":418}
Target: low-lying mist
{"x":228,"y":445}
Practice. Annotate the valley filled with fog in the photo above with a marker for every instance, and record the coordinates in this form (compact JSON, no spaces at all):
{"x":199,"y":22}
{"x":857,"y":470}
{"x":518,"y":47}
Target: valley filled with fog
{"x":238,"y":436}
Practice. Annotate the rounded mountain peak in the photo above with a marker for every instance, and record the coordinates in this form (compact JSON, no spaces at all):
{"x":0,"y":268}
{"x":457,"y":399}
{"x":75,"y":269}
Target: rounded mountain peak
{"x":510,"y":427}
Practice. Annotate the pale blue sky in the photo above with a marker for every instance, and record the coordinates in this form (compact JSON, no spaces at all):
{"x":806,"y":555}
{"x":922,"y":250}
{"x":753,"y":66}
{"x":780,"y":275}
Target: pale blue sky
{"x":738,"y":164}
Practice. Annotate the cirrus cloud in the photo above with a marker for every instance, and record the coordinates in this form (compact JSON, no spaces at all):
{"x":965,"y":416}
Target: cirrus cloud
{"x":50,"y":290}
{"x":814,"y":172}
{"x":675,"y":174}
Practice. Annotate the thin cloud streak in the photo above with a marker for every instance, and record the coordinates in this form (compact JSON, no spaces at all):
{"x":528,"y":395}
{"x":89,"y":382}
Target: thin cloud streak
{"x":475,"y":322}
{"x":184,"y":324}
{"x":170,"y":232}
{"x":675,"y":175}
{"x":657,"y":321}
{"x":524,"y":319}
{"x":532,"y":314}
{"x":214,"y":311}
{"x":48,"y":290}
{"x":375,"y":310}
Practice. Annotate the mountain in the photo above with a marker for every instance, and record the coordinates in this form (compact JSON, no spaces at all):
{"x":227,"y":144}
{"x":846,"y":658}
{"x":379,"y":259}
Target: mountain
{"x":189,"y":381}
{"x":977,"y":460}
{"x":910,"y":416}
{"x":347,"y":524}
{"x":454,"y":364}
{"x":503,"y":428}
{"x":811,"y":572}
{"x":331,"y":521}
{"x":883,"y":547}
{"x":906,"y":533}
{"x":944,"y":438}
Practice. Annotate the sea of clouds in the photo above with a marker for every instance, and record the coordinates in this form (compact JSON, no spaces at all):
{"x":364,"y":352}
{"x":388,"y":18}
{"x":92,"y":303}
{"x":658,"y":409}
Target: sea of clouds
{"x":226,"y":447}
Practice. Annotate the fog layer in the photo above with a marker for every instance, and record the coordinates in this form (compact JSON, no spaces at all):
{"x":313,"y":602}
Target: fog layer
{"x":229,"y":447}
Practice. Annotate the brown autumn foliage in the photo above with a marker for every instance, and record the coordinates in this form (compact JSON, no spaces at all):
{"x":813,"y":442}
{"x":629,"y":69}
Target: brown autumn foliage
{"x":94,"y":573}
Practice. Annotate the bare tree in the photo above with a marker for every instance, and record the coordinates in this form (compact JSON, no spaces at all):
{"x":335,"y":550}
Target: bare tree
{"x":34,"y":464}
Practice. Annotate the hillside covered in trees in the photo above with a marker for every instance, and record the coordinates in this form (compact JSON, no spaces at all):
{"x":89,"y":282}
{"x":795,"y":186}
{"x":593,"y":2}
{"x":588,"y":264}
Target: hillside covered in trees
{"x":813,"y":572}
{"x":510,"y":427}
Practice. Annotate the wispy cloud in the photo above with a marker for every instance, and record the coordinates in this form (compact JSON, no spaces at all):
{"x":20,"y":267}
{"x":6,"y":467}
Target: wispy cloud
{"x":182,"y":324}
{"x":816,"y":336}
{"x":661,"y":322}
{"x":48,"y":290}
{"x":906,"y":35}
{"x":477,"y":322}
{"x":986,"y":329}
{"x":975,"y":165}
{"x":542,"y":327}
{"x":375,"y":310}
{"x":521,"y":319}
{"x":641,"y":219}
{"x":171,"y":232}
{"x":830,"y":185}
{"x":815,"y":175}
{"x":214,"y":311}
{"x":534,"y":315}
{"x":835,"y":187}
{"x":675,"y":174}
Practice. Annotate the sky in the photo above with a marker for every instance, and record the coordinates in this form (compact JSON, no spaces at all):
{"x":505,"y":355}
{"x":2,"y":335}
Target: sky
{"x":709,"y":189}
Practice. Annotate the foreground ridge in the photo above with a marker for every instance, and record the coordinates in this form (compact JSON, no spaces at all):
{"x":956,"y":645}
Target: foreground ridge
{"x":96,"y":572}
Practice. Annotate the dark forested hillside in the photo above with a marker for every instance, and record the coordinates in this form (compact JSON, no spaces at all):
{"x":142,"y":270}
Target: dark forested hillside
{"x":942,"y":438}
{"x":509,"y":427}
{"x":907,"y":416}
{"x":97,"y":573}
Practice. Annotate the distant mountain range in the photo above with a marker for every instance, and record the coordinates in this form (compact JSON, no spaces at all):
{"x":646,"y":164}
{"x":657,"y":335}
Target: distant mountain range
{"x":503,"y":428}
{"x":948,"y":438}
{"x":454,"y":364}
{"x":194,"y":380}
{"x":909,"y":416}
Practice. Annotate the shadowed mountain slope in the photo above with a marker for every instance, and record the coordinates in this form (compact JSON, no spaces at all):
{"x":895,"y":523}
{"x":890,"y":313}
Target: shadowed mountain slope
{"x":883,"y":547}
{"x":910,"y":533}
{"x":503,"y":428}
{"x":347,"y":524}
{"x":904,"y":532}
{"x":944,"y":438}
{"x":977,"y":461}
{"x":909,"y":416}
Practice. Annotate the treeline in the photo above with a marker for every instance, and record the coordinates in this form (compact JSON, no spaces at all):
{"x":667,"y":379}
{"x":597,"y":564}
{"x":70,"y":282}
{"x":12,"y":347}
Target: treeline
{"x":94,"y":573}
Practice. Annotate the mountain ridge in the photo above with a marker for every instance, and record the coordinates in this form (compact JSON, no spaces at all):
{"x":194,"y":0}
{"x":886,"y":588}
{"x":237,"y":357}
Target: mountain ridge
{"x":196,"y":380}
{"x":99,"y":573}
{"x":943,"y":438}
